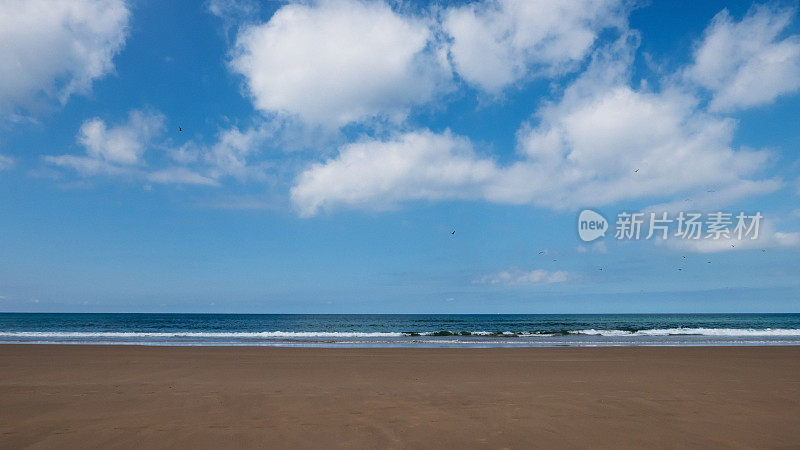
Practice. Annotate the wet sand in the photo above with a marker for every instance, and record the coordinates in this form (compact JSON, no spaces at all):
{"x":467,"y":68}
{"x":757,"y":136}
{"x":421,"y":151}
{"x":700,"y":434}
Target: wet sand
{"x":206,"y":397}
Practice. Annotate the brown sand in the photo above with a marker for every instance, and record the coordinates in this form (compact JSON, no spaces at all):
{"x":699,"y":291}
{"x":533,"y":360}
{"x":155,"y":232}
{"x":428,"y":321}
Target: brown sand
{"x":154,"y":397}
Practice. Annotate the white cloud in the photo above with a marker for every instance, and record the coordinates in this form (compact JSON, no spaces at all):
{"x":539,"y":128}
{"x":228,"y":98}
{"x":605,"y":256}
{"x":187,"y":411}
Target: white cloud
{"x":745,"y":63}
{"x":334,"y":62}
{"x":180,"y":175}
{"x":518,"y":277}
{"x":120,"y":150}
{"x":498,"y":42}
{"x":790,"y":239}
{"x":768,"y":239}
{"x":602,"y":143}
{"x":238,"y":152}
{"x":233,"y":14}
{"x":716,"y":197}
{"x":187,"y":153}
{"x":605,"y":141}
{"x":56,"y":48}
{"x":6,"y":162}
{"x":229,"y":155}
{"x":595,"y":247}
{"x":115,"y":150}
{"x":122,"y":144}
{"x":89,"y":166}
{"x":232,"y":9}
{"x":379,"y":173}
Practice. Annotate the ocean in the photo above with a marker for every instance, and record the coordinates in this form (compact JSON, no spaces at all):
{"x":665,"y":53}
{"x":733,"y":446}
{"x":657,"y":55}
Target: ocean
{"x":402,"y":330}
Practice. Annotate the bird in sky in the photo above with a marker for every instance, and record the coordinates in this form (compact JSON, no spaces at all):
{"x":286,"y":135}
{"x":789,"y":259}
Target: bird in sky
{"x":454,"y":232}
{"x":180,"y":129}
{"x":636,"y":171}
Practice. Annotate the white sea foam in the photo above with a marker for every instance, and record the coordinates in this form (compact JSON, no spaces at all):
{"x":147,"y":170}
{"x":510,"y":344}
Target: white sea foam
{"x":732,"y":332}
{"x":188,"y":334}
{"x":340,"y":336}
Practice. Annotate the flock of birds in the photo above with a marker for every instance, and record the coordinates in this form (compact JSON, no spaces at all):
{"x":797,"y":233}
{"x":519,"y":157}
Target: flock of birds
{"x":544,"y":252}
{"x":680,"y":269}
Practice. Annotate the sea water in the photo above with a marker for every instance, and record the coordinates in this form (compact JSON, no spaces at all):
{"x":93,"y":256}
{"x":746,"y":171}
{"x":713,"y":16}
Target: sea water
{"x":401,"y":330}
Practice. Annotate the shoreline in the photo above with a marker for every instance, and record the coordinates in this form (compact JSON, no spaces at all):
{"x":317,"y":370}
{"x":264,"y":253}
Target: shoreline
{"x":94,"y":396}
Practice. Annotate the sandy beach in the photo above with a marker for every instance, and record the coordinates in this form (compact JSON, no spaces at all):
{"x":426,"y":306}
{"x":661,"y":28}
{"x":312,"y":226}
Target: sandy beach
{"x":158,"y":397}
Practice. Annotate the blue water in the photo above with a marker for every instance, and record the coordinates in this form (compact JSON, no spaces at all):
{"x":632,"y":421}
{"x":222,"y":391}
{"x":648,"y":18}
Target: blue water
{"x":424,"y":330}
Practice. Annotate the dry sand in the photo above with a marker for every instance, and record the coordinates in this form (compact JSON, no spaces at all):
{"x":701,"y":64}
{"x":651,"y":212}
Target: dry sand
{"x":155,"y":397}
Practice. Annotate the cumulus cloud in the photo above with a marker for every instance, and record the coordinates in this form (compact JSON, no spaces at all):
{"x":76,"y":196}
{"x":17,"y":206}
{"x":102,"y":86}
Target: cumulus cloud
{"x":518,"y":277}
{"x":605,"y":141}
{"x":377,"y":173}
{"x":334,"y":62}
{"x":113,"y":150}
{"x":602,"y":142}
{"x":52,"y":49}
{"x":122,"y":144}
{"x":498,"y":42}
{"x":745,"y":63}
{"x":236,"y":152}
{"x":120,"y":150}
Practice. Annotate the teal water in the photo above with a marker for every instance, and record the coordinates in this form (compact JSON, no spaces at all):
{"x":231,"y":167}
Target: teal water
{"x":424,"y":330}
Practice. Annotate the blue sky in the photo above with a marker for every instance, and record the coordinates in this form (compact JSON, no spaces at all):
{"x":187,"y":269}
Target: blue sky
{"x":329,"y":148}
